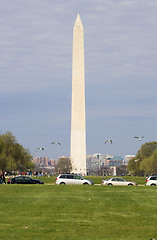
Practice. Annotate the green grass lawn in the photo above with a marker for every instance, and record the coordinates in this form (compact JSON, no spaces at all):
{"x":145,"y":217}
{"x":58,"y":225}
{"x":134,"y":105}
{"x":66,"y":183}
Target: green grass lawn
{"x":77,"y":212}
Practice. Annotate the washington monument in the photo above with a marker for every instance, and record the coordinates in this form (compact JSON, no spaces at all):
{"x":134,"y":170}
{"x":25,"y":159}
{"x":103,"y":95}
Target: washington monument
{"x":78,"y":121}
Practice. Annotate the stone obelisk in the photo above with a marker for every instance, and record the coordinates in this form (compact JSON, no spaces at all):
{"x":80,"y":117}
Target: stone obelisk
{"x":78,"y":121}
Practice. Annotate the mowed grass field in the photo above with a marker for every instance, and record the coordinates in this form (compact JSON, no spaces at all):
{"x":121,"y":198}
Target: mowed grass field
{"x":77,"y":212}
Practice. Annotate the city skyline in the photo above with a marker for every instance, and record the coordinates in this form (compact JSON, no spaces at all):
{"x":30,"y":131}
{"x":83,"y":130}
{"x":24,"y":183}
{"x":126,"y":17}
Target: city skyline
{"x":120,"y":73}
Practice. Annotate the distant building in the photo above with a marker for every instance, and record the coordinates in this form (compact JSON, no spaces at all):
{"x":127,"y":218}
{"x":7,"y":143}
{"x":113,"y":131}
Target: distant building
{"x":114,"y":161}
{"x":95,"y":164}
{"x":97,"y":161}
{"x":52,"y":162}
{"x":128,"y":158}
{"x":44,"y":162}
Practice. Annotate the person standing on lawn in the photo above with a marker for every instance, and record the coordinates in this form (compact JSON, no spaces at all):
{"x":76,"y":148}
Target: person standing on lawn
{"x":3,"y":178}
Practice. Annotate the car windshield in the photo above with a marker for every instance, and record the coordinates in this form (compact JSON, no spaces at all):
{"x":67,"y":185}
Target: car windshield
{"x":79,"y":177}
{"x":28,"y":179}
{"x":62,"y":176}
{"x":108,"y":179}
{"x":19,"y":178}
{"x":121,"y":180}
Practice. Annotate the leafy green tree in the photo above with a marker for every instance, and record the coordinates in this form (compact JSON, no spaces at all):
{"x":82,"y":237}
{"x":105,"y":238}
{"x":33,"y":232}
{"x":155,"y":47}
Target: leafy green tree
{"x":63,"y":165}
{"x":13,"y":156}
{"x":154,"y":162}
{"x":146,"y":150}
{"x":134,"y":167}
{"x":149,"y":165}
{"x":145,"y":161}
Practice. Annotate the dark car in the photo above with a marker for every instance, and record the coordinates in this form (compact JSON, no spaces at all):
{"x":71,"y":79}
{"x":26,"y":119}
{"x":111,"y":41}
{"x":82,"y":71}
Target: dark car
{"x":24,"y":180}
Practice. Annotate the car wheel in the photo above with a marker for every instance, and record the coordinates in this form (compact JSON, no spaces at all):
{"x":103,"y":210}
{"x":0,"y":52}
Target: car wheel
{"x":110,"y":184}
{"x":86,"y":183}
{"x":153,"y":184}
{"x":130,"y":184}
{"x":62,"y":183}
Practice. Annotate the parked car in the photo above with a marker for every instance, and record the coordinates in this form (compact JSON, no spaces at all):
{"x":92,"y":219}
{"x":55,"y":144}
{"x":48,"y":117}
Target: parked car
{"x":118,"y":181}
{"x":151,"y":181}
{"x":24,"y":180}
{"x":75,"y":179}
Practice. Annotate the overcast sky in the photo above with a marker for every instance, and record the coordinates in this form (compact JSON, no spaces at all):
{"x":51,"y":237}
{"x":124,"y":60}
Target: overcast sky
{"x":120,"y":73}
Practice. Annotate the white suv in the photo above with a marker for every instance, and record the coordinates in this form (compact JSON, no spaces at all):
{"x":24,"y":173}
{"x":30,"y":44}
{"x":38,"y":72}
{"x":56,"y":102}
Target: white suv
{"x":75,"y":179}
{"x":151,"y":181}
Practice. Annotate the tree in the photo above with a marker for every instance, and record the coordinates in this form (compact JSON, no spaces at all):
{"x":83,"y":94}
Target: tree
{"x":134,"y":167}
{"x":145,"y":161}
{"x":63,"y":165}
{"x":153,"y":162}
{"x":146,"y":150}
{"x":149,"y":165}
{"x":13,"y":156}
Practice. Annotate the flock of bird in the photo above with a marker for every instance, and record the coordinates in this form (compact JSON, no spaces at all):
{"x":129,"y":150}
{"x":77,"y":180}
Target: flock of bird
{"x":107,"y":141}
{"x":43,"y":149}
{"x":110,"y":141}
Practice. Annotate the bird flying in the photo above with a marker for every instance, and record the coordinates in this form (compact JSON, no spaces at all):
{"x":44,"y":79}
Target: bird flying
{"x":139,"y":139}
{"x":108,"y":140}
{"x":41,"y":148}
{"x":56,"y":143}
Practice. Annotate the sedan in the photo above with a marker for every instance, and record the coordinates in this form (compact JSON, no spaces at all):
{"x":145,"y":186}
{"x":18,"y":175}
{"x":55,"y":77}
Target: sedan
{"x":24,"y":180}
{"x":118,"y":182}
